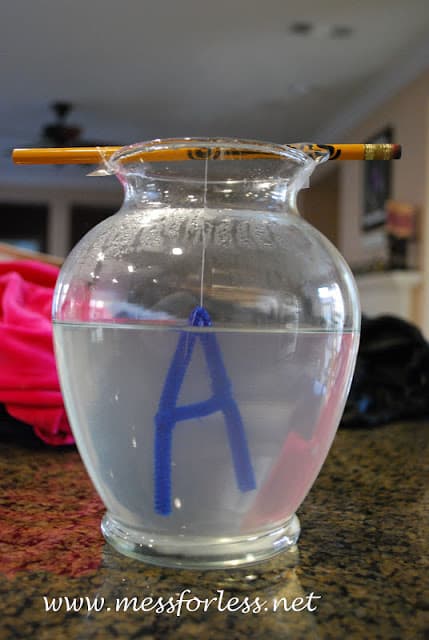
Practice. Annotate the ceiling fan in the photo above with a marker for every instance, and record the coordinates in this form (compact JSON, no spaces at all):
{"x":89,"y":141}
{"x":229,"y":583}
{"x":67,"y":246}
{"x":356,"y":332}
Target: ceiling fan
{"x":59,"y":133}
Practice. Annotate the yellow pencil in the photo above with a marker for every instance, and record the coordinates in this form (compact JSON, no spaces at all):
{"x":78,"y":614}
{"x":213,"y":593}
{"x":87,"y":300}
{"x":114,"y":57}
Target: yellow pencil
{"x":95,"y":155}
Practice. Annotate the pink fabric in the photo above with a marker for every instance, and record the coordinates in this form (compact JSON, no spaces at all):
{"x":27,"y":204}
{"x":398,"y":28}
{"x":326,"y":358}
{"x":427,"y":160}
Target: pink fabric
{"x":29,"y":386}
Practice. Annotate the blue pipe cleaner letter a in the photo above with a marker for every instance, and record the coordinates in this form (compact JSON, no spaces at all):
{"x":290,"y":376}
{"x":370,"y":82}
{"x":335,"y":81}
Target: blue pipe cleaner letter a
{"x":222,"y":400}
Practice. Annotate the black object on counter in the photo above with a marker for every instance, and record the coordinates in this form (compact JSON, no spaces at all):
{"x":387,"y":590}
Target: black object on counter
{"x":391,"y":380}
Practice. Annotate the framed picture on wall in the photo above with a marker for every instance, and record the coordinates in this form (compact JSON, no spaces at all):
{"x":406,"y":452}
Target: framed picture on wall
{"x":377,"y":185}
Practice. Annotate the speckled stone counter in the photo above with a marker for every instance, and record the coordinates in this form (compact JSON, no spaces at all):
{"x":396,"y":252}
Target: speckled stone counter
{"x":364,"y":549}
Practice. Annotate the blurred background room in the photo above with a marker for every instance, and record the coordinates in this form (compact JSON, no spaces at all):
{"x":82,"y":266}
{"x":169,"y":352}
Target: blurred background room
{"x":102,"y":72}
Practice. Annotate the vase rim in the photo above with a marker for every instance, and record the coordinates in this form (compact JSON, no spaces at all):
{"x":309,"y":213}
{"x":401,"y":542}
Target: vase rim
{"x":212,"y":148}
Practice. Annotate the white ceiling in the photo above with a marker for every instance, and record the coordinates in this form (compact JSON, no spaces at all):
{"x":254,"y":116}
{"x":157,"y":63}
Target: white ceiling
{"x":139,"y":69}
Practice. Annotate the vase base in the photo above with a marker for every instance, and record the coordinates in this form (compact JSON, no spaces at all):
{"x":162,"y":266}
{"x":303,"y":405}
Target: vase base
{"x":200,"y":552}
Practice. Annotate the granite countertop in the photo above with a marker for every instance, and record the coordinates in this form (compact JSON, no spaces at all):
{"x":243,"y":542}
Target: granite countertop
{"x":364,"y":549}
